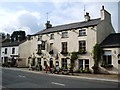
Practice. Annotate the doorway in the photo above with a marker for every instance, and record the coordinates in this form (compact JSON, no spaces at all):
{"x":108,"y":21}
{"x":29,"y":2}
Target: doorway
{"x":51,"y":63}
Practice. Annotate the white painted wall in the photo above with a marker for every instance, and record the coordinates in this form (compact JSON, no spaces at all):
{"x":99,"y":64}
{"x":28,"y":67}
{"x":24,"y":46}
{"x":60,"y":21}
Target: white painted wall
{"x":9,"y":51}
{"x":115,"y":68}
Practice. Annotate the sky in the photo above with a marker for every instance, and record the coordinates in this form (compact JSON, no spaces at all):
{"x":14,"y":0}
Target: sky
{"x":31,"y":16}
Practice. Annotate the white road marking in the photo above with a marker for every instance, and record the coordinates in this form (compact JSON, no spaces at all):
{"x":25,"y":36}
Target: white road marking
{"x":22,"y":76}
{"x":58,"y":83}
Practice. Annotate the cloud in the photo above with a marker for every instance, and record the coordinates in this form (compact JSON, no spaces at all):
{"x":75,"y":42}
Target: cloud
{"x":13,"y":20}
{"x":70,"y":12}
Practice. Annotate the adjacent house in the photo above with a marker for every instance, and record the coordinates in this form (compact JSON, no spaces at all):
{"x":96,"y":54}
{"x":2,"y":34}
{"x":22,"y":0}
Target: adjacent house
{"x":10,"y":51}
{"x":111,"y":54}
{"x":53,"y":46}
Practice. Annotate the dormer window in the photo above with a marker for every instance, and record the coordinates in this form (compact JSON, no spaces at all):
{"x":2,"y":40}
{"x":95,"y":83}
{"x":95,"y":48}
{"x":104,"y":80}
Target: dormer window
{"x":82,"y":32}
{"x":52,"y":36}
{"x":64,"y":34}
{"x":39,"y":38}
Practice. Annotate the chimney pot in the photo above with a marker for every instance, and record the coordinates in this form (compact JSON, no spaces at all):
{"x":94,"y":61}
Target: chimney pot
{"x":87,"y":17}
{"x":102,"y":7}
{"x":48,"y":25}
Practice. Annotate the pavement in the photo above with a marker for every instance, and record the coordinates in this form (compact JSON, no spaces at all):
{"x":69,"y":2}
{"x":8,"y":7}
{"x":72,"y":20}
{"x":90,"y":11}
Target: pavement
{"x":100,"y":77}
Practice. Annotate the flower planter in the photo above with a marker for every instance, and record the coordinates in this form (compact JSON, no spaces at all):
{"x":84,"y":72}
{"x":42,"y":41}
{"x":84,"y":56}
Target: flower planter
{"x":51,"y":52}
{"x":107,"y":66}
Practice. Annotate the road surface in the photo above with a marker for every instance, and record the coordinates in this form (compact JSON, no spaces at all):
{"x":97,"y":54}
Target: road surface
{"x":22,"y":79}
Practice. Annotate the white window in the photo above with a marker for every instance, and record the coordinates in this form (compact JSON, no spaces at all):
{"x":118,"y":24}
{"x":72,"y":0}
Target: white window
{"x":84,"y":63}
{"x":13,"y":50}
{"x":82,"y":32}
{"x":39,"y":38}
{"x":107,"y":57}
{"x":5,"y":50}
{"x":51,"y":46}
{"x":82,"y":45}
{"x":52,"y":36}
{"x":64,"y":34}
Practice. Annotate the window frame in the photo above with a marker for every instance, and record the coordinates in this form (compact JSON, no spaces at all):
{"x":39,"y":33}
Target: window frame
{"x":83,"y":63}
{"x":64,"y":62}
{"x":6,"y":50}
{"x":52,"y":36}
{"x":64,"y":35}
{"x":82,"y":32}
{"x":83,"y":46}
{"x":13,"y":50}
{"x":107,"y":57}
{"x":64,"y":46}
{"x":39,"y":38}
{"x":39,"y":60}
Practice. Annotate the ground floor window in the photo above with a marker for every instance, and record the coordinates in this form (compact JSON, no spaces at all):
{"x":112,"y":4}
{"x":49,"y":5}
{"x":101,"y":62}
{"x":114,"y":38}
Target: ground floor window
{"x":107,"y":57}
{"x":5,"y":59}
{"x":84,"y":63}
{"x":28,"y":61}
{"x":64,"y":63}
{"x":45,"y":63}
{"x":39,"y":60}
{"x":33,"y":62}
{"x":51,"y":62}
{"x":57,"y":63}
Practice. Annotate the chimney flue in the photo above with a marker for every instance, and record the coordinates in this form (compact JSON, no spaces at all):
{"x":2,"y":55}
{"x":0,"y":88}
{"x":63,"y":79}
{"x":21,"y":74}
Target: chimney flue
{"x":87,"y":17}
{"x":48,"y":25}
{"x":102,"y":7}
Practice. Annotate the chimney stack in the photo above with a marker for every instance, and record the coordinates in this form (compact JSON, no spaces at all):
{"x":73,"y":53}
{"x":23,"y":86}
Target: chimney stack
{"x":87,"y":17}
{"x":48,"y":25}
{"x":105,"y":15}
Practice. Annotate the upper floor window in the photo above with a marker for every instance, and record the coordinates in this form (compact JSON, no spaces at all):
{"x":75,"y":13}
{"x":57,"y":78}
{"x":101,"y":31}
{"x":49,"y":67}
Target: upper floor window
{"x":5,"y":50}
{"x":82,"y":46}
{"x":39,"y":60}
{"x":64,"y":34}
{"x":43,"y":45}
{"x":13,"y":50}
{"x":82,"y":32}
{"x":39,"y":38}
{"x":51,"y":46}
{"x":64,"y":48}
{"x":39,"y":49}
{"x":52,"y":36}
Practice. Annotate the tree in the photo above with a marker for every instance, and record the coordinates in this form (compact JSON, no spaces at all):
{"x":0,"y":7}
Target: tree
{"x":73,"y":58}
{"x":96,"y":56}
{"x":18,"y":35}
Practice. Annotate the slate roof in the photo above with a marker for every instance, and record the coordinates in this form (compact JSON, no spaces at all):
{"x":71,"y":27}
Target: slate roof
{"x":10,"y":44}
{"x":66,"y":27}
{"x":113,"y":40}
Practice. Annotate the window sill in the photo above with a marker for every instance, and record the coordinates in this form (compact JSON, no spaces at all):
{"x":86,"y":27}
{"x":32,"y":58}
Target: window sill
{"x":81,"y":35}
{"x":64,"y":37}
{"x":52,"y":39}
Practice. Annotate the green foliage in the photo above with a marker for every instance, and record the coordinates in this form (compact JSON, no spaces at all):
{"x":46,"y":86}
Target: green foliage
{"x":72,"y":65}
{"x":18,"y":35}
{"x":86,"y":70}
{"x":74,"y":56}
{"x":95,"y":67}
{"x":97,"y":52}
{"x":106,"y":65}
{"x":81,"y":51}
{"x":96,"y":56}
{"x":81,"y":70}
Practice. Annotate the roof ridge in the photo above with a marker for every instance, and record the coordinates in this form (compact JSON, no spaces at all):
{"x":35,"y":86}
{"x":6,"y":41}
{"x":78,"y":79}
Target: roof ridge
{"x":69,"y":26}
{"x":77,"y":22}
